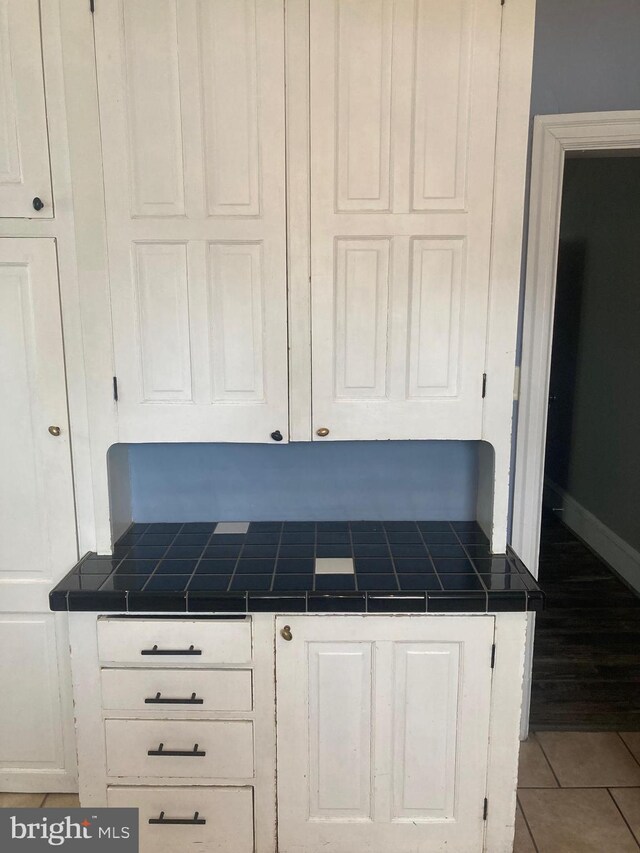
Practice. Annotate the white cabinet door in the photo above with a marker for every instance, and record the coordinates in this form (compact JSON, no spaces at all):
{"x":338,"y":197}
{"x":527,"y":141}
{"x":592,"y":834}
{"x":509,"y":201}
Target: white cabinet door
{"x":383,"y":732}
{"x":37,"y":524}
{"x":24,"y":147}
{"x":191,"y":99}
{"x":403,"y":116}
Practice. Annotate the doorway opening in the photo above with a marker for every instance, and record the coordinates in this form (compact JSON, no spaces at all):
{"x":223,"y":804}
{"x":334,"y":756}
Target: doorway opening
{"x":586,"y":663}
{"x":578,"y":476}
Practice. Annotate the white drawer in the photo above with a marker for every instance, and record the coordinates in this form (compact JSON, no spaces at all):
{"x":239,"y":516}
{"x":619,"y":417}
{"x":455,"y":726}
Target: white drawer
{"x":224,"y":748}
{"x":175,"y":641}
{"x":227,"y":814}
{"x":172,"y":690}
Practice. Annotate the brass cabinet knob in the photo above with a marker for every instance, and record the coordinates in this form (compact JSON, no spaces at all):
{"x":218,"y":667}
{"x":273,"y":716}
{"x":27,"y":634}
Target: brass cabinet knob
{"x":322,"y":432}
{"x":286,"y":634}
{"x":54,"y":430}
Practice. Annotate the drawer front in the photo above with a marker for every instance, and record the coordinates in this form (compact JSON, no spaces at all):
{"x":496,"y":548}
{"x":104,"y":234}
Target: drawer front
{"x":224,"y":748}
{"x":138,"y":689}
{"x":174,"y":641}
{"x":225,"y":818}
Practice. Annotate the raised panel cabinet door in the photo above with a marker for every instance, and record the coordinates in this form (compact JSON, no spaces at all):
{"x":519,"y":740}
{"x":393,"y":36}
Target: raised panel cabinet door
{"x":37,"y":538}
{"x":25,"y":182}
{"x":383,"y":733}
{"x":37,"y":523}
{"x":191,"y":97}
{"x":403,"y":98}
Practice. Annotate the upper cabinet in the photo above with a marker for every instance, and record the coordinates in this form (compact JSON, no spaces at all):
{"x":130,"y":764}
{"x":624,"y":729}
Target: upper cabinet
{"x":403,"y":125}
{"x":191,"y":98}
{"x":25,"y":180}
{"x":391,"y":146}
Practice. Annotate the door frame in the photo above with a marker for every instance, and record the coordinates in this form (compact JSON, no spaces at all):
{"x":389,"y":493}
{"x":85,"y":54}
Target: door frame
{"x":553,"y":137}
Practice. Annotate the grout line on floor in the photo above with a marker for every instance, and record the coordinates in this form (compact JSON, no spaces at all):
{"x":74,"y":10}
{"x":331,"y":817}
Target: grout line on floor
{"x":626,"y":746}
{"x":583,"y":788}
{"x":526,"y":823}
{"x":548,"y":760}
{"x":615,"y":803}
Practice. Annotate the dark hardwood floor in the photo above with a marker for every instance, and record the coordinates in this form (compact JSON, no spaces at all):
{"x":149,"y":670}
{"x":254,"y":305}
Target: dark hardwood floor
{"x":586,"y":665}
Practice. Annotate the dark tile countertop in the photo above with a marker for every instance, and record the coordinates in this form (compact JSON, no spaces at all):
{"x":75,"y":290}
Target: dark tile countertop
{"x":399,"y":566}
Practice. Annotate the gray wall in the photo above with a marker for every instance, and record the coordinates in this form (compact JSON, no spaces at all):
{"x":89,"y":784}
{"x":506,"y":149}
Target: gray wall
{"x":364,"y":479}
{"x":586,"y":57}
{"x":593,"y":447}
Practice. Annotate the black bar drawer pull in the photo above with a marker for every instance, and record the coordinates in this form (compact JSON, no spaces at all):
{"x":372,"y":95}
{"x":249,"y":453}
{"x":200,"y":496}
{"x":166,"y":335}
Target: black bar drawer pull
{"x":175,"y":821}
{"x":158,"y":700}
{"x":156,"y":651}
{"x":188,"y":753}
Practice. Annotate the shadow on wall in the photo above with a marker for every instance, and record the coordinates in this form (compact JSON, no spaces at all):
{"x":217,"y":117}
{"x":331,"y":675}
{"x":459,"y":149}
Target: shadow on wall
{"x":564,"y":356}
{"x":309,"y":480}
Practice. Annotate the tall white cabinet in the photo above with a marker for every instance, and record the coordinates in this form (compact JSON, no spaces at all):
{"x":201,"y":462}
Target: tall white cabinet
{"x":37,"y":522}
{"x":42,"y":379}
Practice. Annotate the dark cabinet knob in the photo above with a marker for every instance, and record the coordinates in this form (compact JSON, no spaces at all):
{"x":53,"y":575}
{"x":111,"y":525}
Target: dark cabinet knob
{"x":37,"y":203}
{"x":277,"y":435}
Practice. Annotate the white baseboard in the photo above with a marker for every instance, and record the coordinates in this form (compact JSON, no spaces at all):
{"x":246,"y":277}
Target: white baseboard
{"x":607,"y":544}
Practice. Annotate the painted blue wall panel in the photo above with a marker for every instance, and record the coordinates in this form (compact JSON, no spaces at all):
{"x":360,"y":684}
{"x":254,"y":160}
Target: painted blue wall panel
{"x":357,"y":480}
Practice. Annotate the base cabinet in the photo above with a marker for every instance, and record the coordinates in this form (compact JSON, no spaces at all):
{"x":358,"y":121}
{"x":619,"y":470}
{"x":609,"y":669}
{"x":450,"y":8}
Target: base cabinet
{"x":383,"y":733}
{"x":338,"y":733}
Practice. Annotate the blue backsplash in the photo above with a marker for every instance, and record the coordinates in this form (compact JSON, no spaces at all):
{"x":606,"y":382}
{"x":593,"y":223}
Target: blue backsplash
{"x":374,"y":480}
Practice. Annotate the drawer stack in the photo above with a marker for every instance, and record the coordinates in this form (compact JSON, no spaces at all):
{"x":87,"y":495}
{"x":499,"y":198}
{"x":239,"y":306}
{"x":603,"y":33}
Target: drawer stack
{"x":178,"y":716}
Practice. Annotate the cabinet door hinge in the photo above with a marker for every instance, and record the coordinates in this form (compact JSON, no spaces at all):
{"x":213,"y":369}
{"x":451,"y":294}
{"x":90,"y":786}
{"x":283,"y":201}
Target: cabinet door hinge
{"x":485,"y":809}
{"x":484,"y":385}
{"x":516,"y":383}
{"x":493,"y":656}
{"x":115,"y":388}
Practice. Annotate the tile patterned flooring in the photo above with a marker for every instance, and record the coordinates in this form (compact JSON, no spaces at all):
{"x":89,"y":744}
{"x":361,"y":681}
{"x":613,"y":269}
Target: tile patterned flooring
{"x":39,"y":801}
{"x":579,"y":792}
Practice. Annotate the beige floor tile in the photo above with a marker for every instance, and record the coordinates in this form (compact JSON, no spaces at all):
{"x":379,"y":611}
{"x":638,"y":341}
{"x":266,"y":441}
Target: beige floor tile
{"x":576,"y":821}
{"x":522,"y":842}
{"x":21,"y":801}
{"x":632,"y":740}
{"x":590,"y":759}
{"x":62,"y":801}
{"x":628,"y":800}
{"x":534,"y":770}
